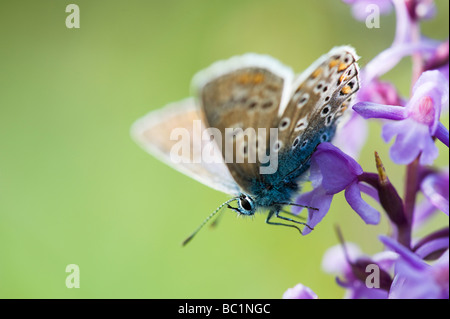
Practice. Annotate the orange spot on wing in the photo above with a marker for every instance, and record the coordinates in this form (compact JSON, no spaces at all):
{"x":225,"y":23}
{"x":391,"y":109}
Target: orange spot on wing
{"x":248,"y":78}
{"x":244,"y":78}
{"x":333,"y":63}
{"x":342,"y":78}
{"x":346,"y":89}
{"x":258,"y":78}
{"x":316,"y":73}
{"x":342,"y":67}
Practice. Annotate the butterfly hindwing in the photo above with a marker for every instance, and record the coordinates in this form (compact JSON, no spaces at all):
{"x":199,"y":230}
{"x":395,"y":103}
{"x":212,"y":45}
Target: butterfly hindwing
{"x":166,"y":132}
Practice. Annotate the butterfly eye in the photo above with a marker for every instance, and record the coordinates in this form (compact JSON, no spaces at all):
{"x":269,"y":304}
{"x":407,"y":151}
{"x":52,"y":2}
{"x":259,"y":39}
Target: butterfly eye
{"x":245,"y":204}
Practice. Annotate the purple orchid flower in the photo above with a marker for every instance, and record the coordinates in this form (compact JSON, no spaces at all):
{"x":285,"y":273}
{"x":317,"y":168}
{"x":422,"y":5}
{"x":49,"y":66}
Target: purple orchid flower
{"x":333,"y":171}
{"x":439,"y":59}
{"x":361,"y":8}
{"x":404,"y":22}
{"x":349,"y":264}
{"x":372,"y":89}
{"x":432,"y":246}
{"x":435,"y":187}
{"x":410,"y":267}
{"x":380,"y":92}
{"x":417,"y":123}
{"x":389,"y":58}
{"x":414,"y":278}
{"x":300,"y":292}
{"x":421,"y":9}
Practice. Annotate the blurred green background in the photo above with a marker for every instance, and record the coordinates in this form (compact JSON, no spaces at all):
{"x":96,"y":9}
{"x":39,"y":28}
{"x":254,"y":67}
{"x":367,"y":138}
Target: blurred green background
{"x":75,"y":189}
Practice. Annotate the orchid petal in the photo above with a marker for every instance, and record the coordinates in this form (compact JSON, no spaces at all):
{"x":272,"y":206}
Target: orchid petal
{"x":338,"y":169}
{"x":353,"y":196}
{"x":317,"y":198}
{"x":300,"y":292}
{"x":374,"y":110}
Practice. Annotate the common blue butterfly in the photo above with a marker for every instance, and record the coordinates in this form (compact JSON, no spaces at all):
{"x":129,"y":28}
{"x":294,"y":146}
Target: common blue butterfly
{"x":256,"y":92}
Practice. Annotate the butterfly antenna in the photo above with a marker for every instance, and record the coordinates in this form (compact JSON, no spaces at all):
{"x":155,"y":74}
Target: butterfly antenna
{"x":206,"y":220}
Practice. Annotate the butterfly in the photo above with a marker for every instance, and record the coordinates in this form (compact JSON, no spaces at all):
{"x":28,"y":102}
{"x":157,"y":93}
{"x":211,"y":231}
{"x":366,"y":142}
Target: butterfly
{"x":235,"y":99}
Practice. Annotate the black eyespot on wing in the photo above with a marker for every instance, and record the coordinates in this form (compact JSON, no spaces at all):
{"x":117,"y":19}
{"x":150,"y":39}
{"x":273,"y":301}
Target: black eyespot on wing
{"x":325,"y":110}
{"x":267,"y":105}
{"x":277,"y":146}
{"x":351,"y":84}
{"x":328,"y":120}
{"x":296,"y":141}
{"x":305,"y":142}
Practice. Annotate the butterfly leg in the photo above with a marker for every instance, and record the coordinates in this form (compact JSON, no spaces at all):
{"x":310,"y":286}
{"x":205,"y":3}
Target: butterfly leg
{"x":293,"y":215}
{"x":272,"y":213}
{"x":277,"y":214}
